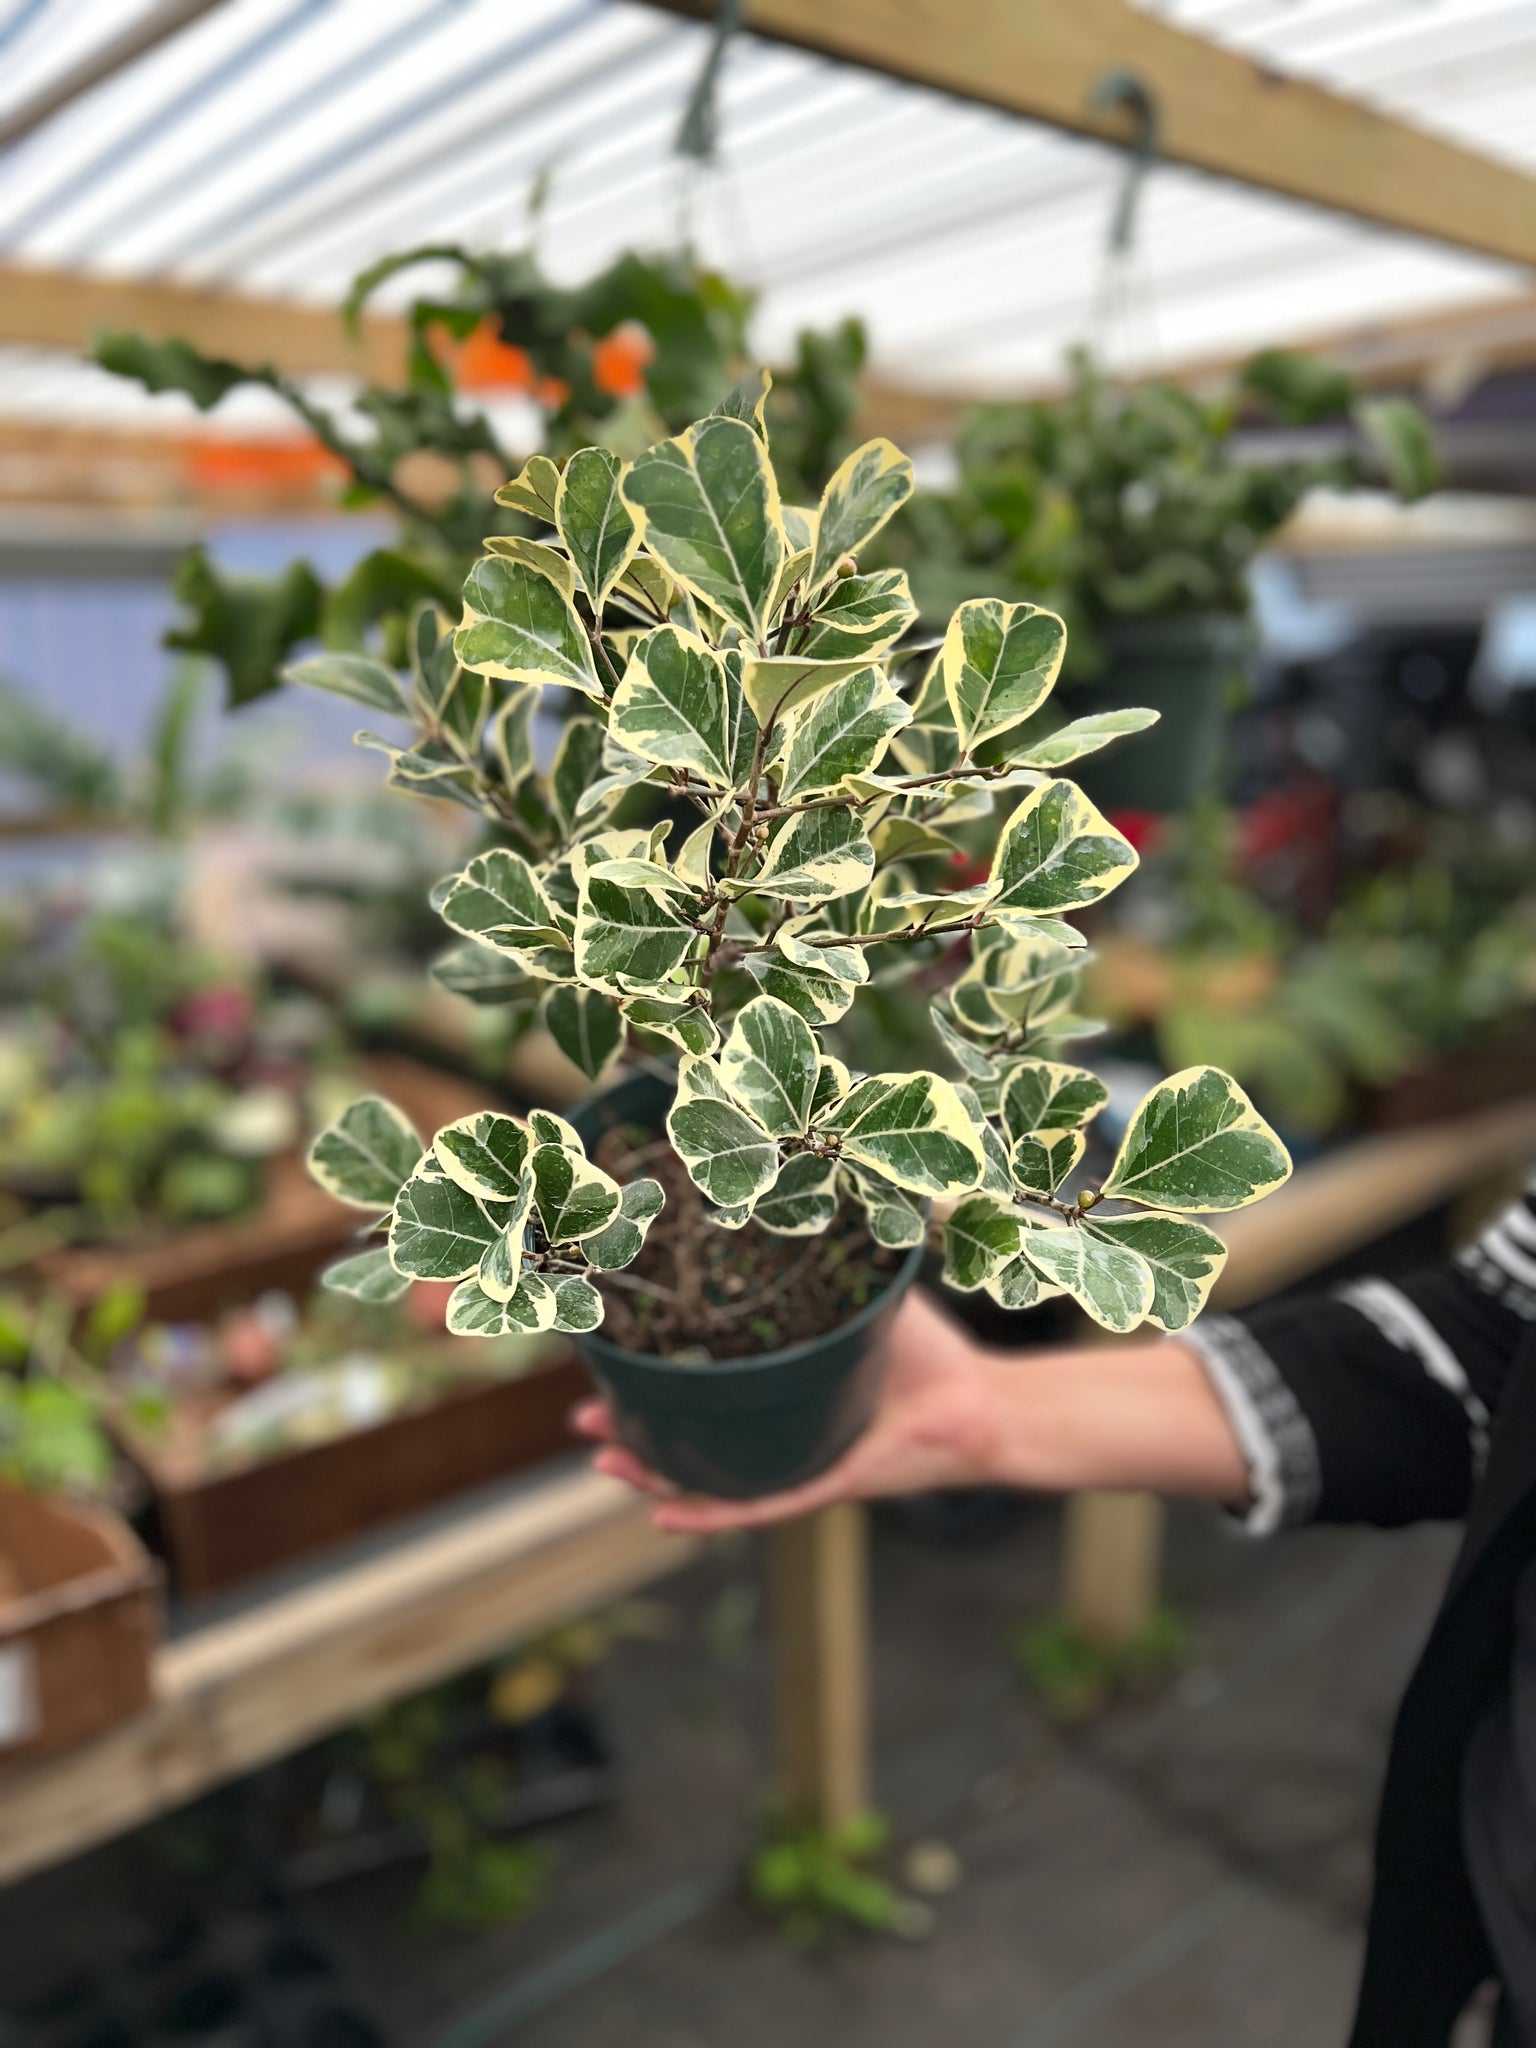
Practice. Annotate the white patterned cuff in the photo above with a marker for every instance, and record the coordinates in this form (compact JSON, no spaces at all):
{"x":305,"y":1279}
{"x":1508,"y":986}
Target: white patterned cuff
{"x":1284,"y":1473}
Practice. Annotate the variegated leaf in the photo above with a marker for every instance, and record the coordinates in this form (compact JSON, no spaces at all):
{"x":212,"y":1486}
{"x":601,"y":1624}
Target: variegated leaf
{"x":578,"y":1306}
{"x":685,"y":1025}
{"x":865,"y":490}
{"x":821,"y":998}
{"x":484,"y":975}
{"x":594,"y":522}
{"x":1198,"y":1144}
{"x":1184,"y":1257}
{"x":980,"y":1238}
{"x":1057,"y":852}
{"x":858,"y":615}
{"x":486,"y":1154}
{"x":728,"y":1153}
{"x":803,"y":1200}
{"x":747,"y":401}
{"x":439,"y":1231}
{"x":816,"y":856}
{"x":534,"y":490}
{"x":769,"y":1065}
{"x":499,"y":900}
{"x":502,"y":1265}
{"x":896,"y":1218}
{"x":1111,"y":1282}
{"x":672,"y":706}
{"x":575,"y":1198}
{"x":627,"y":936}
{"x":366,"y":1276}
{"x":1083,"y":736}
{"x":366,"y":1155}
{"x":474,"y":1313}
{"x":640,"y":1203}
{"x":708,"y":505}
{"x":1042,"y":1096}
{"x":574,"y":771}
{"x":519,"y":625}
{"x":811,"y":942}
{"x":1040,"y":1161}
{"x":912,"y":1129}
{"x":355,"y":676}
{"x":843,"y":731}
{"x":773,"y":684}
{"x":999,"y":663}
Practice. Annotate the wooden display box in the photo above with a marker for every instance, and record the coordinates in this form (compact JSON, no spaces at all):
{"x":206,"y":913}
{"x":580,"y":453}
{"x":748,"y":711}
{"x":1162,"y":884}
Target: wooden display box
{"x":78,"y":1622}
{"x":221,"y":1526}
{"x":297,"y":1229}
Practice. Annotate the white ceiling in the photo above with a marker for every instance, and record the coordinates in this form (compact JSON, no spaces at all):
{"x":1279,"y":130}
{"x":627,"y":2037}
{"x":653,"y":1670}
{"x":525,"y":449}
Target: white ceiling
{"x":276,"y":146}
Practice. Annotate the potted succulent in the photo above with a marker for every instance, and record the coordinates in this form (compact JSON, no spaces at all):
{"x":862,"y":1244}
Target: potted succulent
{"x":1138,"y":510}
{"x":728,"y":1230}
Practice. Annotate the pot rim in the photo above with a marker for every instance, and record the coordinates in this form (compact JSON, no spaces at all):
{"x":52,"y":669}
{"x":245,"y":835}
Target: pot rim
{"x":764,"y":1361}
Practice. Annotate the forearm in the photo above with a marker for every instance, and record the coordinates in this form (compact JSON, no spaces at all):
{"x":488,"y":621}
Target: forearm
{"x":1129,"y":1416}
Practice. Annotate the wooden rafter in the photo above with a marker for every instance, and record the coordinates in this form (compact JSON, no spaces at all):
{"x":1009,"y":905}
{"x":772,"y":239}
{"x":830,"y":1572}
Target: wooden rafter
{"x":1218,"y":110}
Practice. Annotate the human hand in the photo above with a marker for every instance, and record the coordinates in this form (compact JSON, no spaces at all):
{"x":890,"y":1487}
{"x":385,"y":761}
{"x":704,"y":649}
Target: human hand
{"x":934,"y":1427}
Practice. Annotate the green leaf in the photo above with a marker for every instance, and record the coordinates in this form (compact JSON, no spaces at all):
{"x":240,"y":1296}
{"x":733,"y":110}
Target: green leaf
{"x":474,"y":1313}
{"x":586,"y":1026}
{"x":913,"y":1129}
{"x":842,"y":732}
{"x":1198,"y":1144}
{"x":512,"y":734}
{"x":1041,"y":1096}
{"x":173,"y":365}
{"x":672,"y":706}
{"x":367,"y":1276}
{"x":578,"y":1306}
{"x":769,"y":1065}
{"x":980,"y":1238}
{"x":999,"y":663}
{"x":486,"y":1154}
{"x":774,"y":684}
{"x":594,"y":522}
{"x":1041,"y":1160}
{"x":366,"y":1155}
{"x":519,"y":625}
{"x":896,"y":1219}
{"x":484,"y":975}
{"x":728,"y":1153}
{"x":640,"y":1203}
{"x":859,"y":615}
{"x":1083,"y":736}
{"x":864,"y":491}
{"x":500,"y":901}
{"x":1110,"y":1281}
{"x":1184,"y":1257}
{"x":803,"y":1200}
{"x":708,"y":506}
{"x":502,"y":1263}
{"x":1058,"y":853}
{"x":817,"y":855}
{"x":534,"y":490}
{"x":249,"y":624}
{"x":577,"y":762}
{"x":576,"y":1199}
{"x":439,"y":1231}
{"x":970,"y":1059}
{"x":1405,"y":442}
{"x":627,"y":936}
{"x":356,"y":676}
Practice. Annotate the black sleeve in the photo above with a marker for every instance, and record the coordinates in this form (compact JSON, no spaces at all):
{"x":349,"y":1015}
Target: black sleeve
{"x":1374,"y":1404}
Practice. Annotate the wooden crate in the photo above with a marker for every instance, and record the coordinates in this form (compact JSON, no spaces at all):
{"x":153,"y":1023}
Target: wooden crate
{"x":78,"y":1621}
{"x":225,"y":1525}
{"x":297,"y":1229}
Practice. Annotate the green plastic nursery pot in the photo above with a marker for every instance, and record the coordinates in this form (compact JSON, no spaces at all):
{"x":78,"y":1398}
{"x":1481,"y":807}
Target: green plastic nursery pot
{"x":1183,"y":669}
{"x":739,"y":1428}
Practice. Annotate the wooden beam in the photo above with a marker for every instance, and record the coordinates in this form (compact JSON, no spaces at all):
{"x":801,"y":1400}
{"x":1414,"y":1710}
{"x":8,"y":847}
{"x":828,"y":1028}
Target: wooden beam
{"x":1218,"y":111}
{"x":63,"y":309}
{"x":145,"y":35}
{"x":236,"y":1694}
{"x":1112,"y":1561}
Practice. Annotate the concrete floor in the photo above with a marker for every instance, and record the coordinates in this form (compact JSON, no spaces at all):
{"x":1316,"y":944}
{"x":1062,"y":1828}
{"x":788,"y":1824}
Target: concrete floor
{"x":1189,"y":1871}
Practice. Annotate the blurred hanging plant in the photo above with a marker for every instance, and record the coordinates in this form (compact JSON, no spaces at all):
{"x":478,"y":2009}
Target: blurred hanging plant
{"x":636,"y":352}
{"x":1117,"y":501}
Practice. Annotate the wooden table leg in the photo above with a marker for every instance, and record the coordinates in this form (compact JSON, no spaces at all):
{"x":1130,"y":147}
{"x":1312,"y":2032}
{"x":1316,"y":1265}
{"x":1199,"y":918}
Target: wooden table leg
{"x":1110,"y":1572}
{"x":819,"y":1598}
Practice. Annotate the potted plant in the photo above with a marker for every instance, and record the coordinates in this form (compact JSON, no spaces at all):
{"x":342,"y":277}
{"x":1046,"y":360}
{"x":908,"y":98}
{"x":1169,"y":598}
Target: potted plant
{"x":1137,"y":509}
{"x":745,"y":1216}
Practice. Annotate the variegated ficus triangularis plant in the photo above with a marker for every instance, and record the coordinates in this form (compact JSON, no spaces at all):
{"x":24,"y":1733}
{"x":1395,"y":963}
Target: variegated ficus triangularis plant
{"x":735,"y":657}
